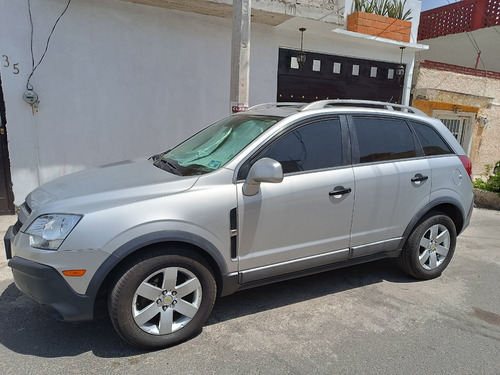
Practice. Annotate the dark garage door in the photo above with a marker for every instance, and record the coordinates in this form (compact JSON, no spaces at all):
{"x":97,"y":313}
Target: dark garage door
{"x":336,"y":77}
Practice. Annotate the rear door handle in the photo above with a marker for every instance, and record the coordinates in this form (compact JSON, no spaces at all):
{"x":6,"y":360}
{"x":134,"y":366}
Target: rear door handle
{"x":419,"y":178}
{"x":339,"y":190}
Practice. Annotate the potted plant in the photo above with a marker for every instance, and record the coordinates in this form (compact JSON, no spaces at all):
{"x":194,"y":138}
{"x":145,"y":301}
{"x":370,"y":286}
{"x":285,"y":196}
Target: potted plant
{"x":381,"y":18}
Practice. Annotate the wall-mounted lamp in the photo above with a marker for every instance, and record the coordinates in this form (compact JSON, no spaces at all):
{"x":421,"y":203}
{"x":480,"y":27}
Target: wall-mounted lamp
{"x":400,"y":69}
{"x":301,"y":55}
{"x":483,"y":121}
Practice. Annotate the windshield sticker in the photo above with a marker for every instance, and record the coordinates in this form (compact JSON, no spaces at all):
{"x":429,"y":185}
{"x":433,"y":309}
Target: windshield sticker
{"x":214,"y":164}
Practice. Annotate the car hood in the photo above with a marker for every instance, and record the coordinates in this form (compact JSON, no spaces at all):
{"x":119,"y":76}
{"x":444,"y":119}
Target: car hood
{"x":114,"y":183}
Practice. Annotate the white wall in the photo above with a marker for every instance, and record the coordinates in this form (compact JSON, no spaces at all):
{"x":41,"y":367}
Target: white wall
{"x":122,"y":80}
{"x":119,"y":81}
{"x":458,"y":49}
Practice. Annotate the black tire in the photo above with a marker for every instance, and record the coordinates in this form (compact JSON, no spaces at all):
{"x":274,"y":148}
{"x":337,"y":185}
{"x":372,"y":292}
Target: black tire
{"x":430,"y":247}
{"x":163,"y":298}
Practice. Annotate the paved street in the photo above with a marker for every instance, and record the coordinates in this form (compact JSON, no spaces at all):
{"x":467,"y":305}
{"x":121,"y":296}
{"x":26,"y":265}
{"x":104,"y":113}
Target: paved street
{"x":368,"y":319}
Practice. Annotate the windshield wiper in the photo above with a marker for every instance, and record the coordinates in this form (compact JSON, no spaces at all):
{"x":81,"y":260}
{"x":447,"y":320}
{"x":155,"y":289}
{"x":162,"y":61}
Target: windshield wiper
{"x":167,"y":165}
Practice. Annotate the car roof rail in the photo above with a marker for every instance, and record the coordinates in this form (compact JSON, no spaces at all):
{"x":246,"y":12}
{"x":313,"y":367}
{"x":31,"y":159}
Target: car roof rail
{"x":320,"y":104}
{"x":277,"y":105}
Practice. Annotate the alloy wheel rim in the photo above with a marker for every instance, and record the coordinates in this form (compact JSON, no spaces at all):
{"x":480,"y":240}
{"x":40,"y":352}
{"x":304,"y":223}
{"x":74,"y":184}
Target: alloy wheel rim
{"x":434,"y":247}
{"x":166,"y":301}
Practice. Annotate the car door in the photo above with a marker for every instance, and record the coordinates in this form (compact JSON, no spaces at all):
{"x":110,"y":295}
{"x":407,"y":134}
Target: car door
{"x":393,"y":182}
{"x":305,"y":220}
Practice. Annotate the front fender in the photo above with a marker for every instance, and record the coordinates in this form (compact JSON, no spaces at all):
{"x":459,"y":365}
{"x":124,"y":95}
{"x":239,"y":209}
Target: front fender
{"x":145,"y":240}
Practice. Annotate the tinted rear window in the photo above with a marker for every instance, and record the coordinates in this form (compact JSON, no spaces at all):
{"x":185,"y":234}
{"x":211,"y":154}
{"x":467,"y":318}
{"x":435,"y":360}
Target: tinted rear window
{"x":382,"y":139}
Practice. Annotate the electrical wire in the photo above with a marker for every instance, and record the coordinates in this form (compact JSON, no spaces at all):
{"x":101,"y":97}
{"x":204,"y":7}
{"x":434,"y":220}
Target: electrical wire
{"x":473,"y":41}
{"x":31,"y":38}
{"x":33,"y":66}
{"x":478,"y":50}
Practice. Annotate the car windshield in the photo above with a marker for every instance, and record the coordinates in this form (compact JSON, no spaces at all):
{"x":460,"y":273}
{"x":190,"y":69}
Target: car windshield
{"x":215,"y":145}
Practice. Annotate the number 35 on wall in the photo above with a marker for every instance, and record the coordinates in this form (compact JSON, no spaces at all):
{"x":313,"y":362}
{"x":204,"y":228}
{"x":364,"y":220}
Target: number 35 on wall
{"x":7,"y":64}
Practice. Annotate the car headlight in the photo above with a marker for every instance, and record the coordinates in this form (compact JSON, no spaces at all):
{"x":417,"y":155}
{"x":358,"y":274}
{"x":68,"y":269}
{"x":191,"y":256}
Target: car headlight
{"x":48,"y":232}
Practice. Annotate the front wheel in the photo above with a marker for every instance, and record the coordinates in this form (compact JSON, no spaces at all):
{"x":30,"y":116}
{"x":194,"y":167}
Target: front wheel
{"x":162,"y":299}
{"x":430,"y":247}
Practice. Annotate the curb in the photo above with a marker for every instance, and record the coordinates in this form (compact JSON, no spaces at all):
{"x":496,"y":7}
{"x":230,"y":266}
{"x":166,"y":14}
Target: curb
{"x":486,"y":199}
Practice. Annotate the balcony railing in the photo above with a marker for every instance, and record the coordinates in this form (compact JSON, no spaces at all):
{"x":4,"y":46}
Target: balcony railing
{"x":466,"y":15}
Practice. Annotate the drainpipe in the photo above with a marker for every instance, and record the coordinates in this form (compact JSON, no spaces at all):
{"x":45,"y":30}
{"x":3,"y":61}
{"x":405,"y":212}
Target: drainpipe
{"x":240,"y":56}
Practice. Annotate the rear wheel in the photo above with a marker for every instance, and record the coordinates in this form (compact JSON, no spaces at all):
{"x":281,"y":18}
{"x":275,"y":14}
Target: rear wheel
{"x":430,"y":247}
{"x":162,"y":299}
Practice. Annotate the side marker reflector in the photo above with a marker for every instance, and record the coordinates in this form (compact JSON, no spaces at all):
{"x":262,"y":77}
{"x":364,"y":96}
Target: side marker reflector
{"x":74,"y":273}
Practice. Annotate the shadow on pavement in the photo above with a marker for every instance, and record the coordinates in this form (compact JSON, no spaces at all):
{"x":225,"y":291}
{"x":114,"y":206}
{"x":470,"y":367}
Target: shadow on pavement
{"x":26,"y":329}
{"x":306,"y":288}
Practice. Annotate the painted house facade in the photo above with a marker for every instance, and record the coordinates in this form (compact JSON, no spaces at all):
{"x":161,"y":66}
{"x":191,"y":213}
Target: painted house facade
{"x":120,"y":79}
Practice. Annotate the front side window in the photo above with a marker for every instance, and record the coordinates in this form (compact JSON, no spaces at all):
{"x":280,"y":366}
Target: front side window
{"x":382,"y":139}
{"x":314,"y":146}
{"x":214,"y":146}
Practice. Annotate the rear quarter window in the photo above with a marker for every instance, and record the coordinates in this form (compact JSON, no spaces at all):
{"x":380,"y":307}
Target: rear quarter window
{"x":431,"y":141}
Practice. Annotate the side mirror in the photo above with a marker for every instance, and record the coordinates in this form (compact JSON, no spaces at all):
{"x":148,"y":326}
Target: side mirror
{"x":263,"y":170}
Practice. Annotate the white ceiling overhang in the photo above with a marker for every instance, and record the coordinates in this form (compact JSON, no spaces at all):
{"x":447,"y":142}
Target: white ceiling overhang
{"x":268,"y":12}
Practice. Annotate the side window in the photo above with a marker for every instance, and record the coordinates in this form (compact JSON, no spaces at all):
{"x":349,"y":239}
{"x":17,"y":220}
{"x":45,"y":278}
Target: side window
{"x":314,"y":146}
{"x":431,"y":141}
{"x":381,"y":139}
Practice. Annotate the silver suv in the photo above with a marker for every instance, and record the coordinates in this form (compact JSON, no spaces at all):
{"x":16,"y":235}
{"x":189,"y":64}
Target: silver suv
{"x":280,"y":191}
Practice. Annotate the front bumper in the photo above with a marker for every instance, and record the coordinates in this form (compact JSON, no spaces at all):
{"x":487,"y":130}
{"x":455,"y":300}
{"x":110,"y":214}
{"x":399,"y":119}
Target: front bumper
{"x":47,"y":287}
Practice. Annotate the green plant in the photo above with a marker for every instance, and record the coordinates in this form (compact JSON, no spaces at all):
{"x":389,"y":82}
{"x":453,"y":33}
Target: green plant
{"x":397,"y":10}
{"x":388,"y":8}
{"x":492,"y":182}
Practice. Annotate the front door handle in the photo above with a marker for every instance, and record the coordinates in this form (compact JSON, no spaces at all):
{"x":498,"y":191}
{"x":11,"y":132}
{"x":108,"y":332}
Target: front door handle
{"x":339,"y":190}
{"x":419,"y":178}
